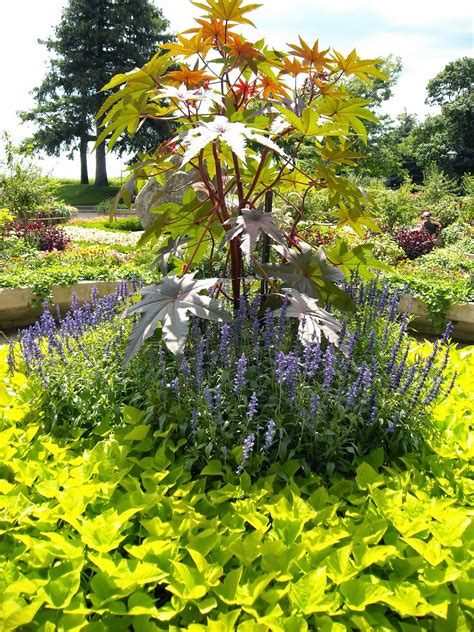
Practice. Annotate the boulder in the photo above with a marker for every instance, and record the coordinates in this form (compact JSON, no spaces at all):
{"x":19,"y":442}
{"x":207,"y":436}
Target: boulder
{"x":154,"y":194}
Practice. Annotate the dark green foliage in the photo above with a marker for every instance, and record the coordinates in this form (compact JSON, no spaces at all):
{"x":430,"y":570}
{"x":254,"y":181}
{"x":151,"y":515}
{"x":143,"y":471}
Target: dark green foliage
{"x":22,"y":187}
{"x":453,"y":128}
{"x":94,"y":40}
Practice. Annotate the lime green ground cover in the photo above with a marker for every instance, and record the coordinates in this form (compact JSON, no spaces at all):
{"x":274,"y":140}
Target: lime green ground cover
{"x":115,"y":533}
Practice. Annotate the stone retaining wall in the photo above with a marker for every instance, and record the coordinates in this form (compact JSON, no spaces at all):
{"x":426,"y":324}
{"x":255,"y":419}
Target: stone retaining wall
{"x":462,"y":317}
{"x":16,"y":308}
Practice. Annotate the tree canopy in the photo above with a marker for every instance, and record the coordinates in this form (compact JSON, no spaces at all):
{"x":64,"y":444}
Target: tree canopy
{"x":451,"y":129}
{"x":94,"y":40}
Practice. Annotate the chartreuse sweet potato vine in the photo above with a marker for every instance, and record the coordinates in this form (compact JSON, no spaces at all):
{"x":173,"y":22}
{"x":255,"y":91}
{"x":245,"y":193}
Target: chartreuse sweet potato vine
{"x":240,"y":112}
{"x":117,"y":535}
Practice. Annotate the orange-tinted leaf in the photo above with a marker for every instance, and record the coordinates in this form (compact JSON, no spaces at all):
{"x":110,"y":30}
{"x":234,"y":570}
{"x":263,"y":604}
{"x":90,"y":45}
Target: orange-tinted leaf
{"x":312,"y":55}
{"x":241,"y":49}
{"x":197,"y":45}
{"x":191,"y":78}
{"x":216,"y":30}
{"x":269,"y":87}
{"x":293,"y":66}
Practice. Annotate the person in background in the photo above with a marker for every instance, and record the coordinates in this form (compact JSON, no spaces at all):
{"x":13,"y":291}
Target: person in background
{"x":429,"y":224}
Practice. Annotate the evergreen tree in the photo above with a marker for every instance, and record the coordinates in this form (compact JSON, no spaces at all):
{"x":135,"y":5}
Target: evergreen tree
{"x":94,"y":40}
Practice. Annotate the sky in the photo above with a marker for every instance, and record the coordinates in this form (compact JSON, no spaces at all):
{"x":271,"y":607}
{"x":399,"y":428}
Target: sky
{"x":426,"y":34}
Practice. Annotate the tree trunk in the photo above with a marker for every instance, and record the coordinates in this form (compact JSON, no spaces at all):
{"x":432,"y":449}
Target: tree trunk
{"x":84,"y":171}
{"x":100,"y":164}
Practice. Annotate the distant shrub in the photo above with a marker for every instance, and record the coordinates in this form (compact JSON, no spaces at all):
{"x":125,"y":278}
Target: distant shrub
{"x":446,"y":211}
{"x":22,"y":187}
{"x":54,"y":212}
{"x":454,"y":232}
{"x":131,"y":224}
{"x":397,"y":208}
{"x":385,"y":248}
{"x":437,"y":185}
{"x":415,"y":242}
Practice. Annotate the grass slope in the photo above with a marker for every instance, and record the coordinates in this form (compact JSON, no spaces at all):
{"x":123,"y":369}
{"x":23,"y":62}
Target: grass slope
{"x":84,"y":194}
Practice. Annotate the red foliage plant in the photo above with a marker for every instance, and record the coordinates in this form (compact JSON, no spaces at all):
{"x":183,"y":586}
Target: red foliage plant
{"x":415,"y":242}
{"x":43,"y":236}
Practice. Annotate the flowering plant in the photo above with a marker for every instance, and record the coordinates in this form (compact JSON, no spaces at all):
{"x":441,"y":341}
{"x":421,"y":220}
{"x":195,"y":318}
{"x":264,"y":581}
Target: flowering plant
{"x":242,"y":393}
{"x":39,"y":234}
{"x":241,"y":111}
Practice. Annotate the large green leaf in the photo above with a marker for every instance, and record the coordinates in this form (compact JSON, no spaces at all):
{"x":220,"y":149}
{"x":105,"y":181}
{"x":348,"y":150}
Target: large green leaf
{"x":314,"y":320}
{"x":170,"y":303}
{"x":309,"y":273}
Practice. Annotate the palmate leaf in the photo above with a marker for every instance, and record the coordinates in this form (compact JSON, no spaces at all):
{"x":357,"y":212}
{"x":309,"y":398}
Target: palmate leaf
{"x":348,"y":112}
{"x":353,"y":65}
{"x":249,"y":225}
{"x":358,"y":259}
{"x":314,"y":320}
{"x":227,"y":10}
{"x":309,"y":272}
{"x":310,"y":123}
{"x":235,"y":135}
{"x":170,"y":303}
{"x":311,"y":54}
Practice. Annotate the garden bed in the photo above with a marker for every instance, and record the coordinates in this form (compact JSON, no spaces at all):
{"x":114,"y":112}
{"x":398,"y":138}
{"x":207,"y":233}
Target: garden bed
{"x":19,"y":306}
{"x":462,"y":317}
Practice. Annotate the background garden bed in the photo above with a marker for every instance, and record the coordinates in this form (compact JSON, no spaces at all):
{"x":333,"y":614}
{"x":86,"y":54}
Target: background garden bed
{"x":462,"y":317}
{"x":18,"y":306}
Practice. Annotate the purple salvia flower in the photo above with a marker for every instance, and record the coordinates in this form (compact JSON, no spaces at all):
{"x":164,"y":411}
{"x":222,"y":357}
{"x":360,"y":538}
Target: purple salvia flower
{"x":406,"y":385}
{"x":94,"y":295}
{"x":447,"y":332}
{"x":254,"y":312}
{"x":225,"y":344}
{"x":352,"y":342}
{"x":252,"y":407}
{"x":175,"y":385}
{"x":393,"y":306}
{"x":374,"y":413}
{"x":312,"y":359}
{"x":269,"y":434}
{"x":434,"y":391}
{"x":314,"y":404}
{"x":247,"y":449}
{"x":329,"y":367}
{"x":372,"y":292}
{"x":451,"y":384}
{"x":383,"y":298}
{"x":194,"y":419}
{"x":398,"y":373}
{"x":425,"y":374}
{"x":371,"y":343}
{"x":161,"y":356}
{"x":75,"y":302}
{"x":241,"y":368}
{"x":268,"y":329}
{"x":185,"y":369}
{"x":207,"y":395}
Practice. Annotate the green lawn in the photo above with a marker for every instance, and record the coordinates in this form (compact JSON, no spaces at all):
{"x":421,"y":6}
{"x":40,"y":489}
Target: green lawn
{"x":78,"y":194}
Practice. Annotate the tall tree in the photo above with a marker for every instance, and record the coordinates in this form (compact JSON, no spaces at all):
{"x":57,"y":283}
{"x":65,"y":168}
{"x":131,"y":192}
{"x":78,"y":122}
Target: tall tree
{"x":94,"y":40}
{"x":451,"y":129}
